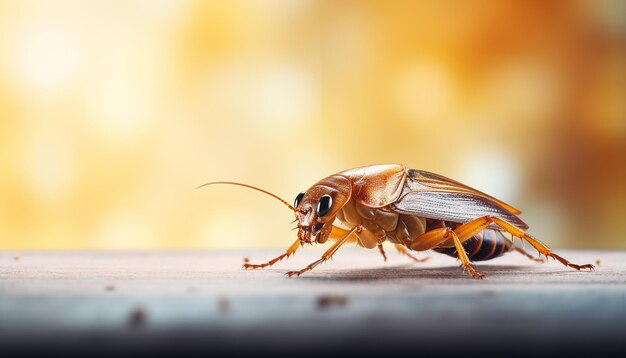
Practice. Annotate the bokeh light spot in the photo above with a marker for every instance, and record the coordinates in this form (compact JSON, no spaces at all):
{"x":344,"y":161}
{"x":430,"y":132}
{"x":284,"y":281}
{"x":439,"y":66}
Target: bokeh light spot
{"x":424,"y":91}
{"x":118,"y":109}
{"x":49,"y":165}
{"x":44,"y":59}
{"x":284,"y":94}
{"x":122,"y":229}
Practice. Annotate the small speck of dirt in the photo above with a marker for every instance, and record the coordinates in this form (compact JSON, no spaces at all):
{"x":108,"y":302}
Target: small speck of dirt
{"x":109,"y":288}
{"x":223,"y":305}
{"x":246,"y":260}
{"x":327,"y":301}
{"x":137,"y":318}
{"x":598,"y":262}
{"x":16,"y":258}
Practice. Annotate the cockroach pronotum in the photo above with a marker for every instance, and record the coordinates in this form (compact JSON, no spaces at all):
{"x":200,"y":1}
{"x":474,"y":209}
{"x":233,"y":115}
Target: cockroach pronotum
{"x":414,"y":209}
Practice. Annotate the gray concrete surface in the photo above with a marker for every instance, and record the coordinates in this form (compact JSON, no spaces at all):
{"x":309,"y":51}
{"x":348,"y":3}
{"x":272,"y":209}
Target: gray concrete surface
{"x":201,"y":301}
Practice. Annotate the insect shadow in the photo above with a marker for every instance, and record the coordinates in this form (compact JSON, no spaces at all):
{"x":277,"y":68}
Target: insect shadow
{"x":411,"y":272}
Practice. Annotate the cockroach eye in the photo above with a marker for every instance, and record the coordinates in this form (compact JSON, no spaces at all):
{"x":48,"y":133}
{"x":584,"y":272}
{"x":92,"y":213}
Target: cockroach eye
{"x":323,"y":207}
{"x":298,"y":200}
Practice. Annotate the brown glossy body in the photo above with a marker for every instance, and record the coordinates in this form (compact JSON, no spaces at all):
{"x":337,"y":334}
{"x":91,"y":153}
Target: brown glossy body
{"x":363,"y":203}
{"x":382,"y":225}
{"x":379,"y":225}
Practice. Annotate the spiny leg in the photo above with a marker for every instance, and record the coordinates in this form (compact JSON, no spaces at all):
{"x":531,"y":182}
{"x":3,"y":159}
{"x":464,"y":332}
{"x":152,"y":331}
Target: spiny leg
{"x":520,"y":250}
{"x":460,"y":251}
{"x":402,"y":250}
{"x":291,"y":250}
{"x":335,"y":233}
{"x":328,"y":254}
{"x":523,"y":252}
{"x":538,"y":245}
{"x":434,"y":237}
{"x":382,"y":251}
{"x":477,"y":225}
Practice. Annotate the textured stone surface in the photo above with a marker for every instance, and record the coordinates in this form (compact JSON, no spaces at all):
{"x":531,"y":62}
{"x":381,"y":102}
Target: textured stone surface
{"x":202,"y":301}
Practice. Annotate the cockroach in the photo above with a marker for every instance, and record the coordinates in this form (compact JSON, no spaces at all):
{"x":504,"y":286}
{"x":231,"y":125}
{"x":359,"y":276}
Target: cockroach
{"x":414,"y":209}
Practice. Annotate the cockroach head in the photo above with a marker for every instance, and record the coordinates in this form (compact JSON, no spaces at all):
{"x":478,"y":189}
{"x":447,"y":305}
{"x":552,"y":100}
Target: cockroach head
{"x":314,"y":219}
{"x":317,"y":208}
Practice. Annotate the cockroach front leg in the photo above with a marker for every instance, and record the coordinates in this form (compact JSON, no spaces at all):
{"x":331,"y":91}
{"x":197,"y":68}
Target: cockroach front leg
{"x":402,"y":250}
{"x":291,"y":250}
{"x":328,"y":254}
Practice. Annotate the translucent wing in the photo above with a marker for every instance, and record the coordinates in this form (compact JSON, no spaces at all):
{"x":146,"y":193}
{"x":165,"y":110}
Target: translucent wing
{"x":437,"y":197}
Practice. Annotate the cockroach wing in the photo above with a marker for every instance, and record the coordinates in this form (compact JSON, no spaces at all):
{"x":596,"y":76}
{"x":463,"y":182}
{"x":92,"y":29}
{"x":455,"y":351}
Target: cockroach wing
{"x":436,"y":197}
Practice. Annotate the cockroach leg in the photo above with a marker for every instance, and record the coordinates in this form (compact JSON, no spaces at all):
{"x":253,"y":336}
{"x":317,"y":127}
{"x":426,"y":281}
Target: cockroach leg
{"x":402,"y":250}
{"x":523,"y":252}
{"x":291,"y":250}
{"x":434,"y":237}
{"x":469,"y":229}
{"x":328,"y":254}
{"x":460,"y":251}
{"x":382,"y":251}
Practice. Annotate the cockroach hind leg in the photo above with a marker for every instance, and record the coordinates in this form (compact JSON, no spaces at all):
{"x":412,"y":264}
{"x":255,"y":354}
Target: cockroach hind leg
{"x":475,"y":274}
{"x":470,"y":270}
{"x":403,"y":251}
{"x":483,"y":222}
{"x":434,"y":237}
{"x":538,"y":245}
{"x":565,"y":262}
{"x":529,"y":256}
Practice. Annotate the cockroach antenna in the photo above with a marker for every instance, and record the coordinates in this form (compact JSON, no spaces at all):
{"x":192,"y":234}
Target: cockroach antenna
{"x":251,"y":187}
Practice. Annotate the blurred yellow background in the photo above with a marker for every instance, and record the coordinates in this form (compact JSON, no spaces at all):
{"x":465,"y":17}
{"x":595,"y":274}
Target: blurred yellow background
{"x":112,"y":112}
